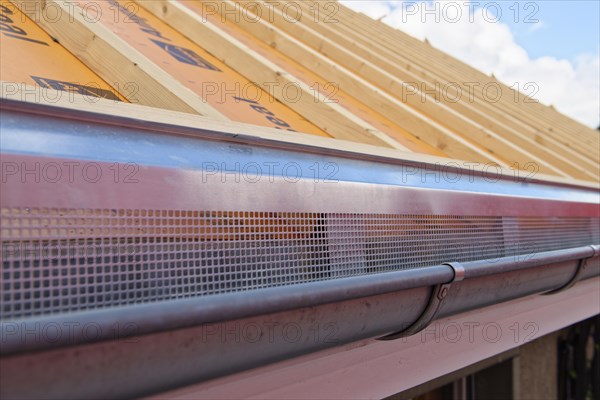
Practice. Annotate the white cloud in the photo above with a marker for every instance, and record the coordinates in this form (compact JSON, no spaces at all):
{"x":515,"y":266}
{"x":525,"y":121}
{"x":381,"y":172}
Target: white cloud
{"x":475,"y":37}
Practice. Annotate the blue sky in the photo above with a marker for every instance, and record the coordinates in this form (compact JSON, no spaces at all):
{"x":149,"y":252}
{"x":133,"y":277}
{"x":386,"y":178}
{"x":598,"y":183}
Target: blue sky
{"x":567,"y":28}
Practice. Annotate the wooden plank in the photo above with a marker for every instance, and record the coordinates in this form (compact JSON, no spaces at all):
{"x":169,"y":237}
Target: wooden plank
{"x":434,"y":56}
{"x":347,"y":36}
{"x":413,"y":121}
{"x":170,"y":70}
{"x":334,"y":93}
{"x":112,"y":58}
{"x":316,"y":83}
{"x":429,"y":62}
{"x":375,"y":41}
{"x":510,"y":145}
{"x":312,"y":105}
{"x":430,"y":57}
{"x":104,"y":110}
{"x":504,"y":148}
{"x":29,"y":56}
{"x":361,"y":55}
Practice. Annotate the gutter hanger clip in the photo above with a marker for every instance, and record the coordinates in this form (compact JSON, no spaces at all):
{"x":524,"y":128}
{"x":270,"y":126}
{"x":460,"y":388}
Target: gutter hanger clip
{"x":581,"y":265}
{"x":438,"y":295}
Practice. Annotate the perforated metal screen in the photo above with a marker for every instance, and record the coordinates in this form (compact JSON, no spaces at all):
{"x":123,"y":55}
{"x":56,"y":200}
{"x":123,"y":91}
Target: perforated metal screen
{"x":62,"y":260}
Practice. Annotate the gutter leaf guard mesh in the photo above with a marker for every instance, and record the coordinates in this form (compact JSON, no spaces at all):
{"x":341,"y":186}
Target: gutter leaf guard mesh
{"x":63,"y":260}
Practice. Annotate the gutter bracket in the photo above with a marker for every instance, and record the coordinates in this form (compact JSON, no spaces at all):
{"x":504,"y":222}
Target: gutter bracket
{"x":438,"y":295}
{"x":581,"y":265}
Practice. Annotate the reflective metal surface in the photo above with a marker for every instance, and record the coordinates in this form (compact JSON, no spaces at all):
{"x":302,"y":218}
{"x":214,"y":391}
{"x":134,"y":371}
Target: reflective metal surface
{"x":142,"y":228}
{"x":97,"y":216}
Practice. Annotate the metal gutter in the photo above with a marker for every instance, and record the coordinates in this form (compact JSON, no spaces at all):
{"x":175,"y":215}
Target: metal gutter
{"x":176,"y":314}
{"x":367,"y":252}
{"x":146,"y":364}
{"x":370,"y":369}
{"x":324,"y":147}
{"x":480,"y":268}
